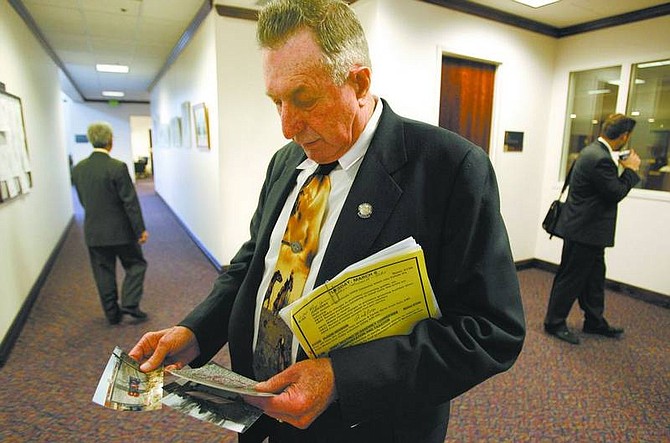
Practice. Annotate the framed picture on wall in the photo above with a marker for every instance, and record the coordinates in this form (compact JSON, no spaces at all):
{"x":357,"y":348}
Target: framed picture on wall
{"x":15,"y":171}
{"x":186,"y":124}
{"x":201,"y":124}
{"x":175,"y":132}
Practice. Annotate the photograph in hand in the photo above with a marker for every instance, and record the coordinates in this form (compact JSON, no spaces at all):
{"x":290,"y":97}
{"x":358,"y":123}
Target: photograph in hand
{"x":124,"y":387}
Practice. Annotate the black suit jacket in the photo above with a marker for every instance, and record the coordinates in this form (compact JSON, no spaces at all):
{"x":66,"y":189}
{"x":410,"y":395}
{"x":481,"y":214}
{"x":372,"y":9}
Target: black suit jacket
{"x":424,"y":182}
{"x":112,"y":211}
{"x":590,"y":211}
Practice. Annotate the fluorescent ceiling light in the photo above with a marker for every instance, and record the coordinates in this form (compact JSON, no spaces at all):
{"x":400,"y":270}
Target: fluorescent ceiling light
{"x":120,"y":69}
{"x":113,"y":93}
{"x":654,"y":64}
{"x":598,"y":91}
{"x":536,"y":3}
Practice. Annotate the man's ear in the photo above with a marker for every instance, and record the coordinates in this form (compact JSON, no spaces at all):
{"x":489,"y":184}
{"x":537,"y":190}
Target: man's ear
{"x":361,"y":78}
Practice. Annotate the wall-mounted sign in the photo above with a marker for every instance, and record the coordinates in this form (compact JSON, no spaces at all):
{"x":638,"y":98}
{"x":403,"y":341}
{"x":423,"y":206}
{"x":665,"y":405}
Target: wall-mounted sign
{"x":513,"y":141}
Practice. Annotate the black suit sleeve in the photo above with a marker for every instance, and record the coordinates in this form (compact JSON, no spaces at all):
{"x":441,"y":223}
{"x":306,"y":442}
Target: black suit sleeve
{"x":128,"y":196}
{"x":611,"y":187}
{"x":482,"y":329}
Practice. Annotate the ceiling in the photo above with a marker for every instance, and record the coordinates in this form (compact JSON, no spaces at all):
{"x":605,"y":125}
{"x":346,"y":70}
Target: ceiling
{"x":566,"y":13}
{"x":146,"y":35}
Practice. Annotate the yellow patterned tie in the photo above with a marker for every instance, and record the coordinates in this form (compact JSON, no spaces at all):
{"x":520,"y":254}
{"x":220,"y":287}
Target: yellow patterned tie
{"x":298,"y":248}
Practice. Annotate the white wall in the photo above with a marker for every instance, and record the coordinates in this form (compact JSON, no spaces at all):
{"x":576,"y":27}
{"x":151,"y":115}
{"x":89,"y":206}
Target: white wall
{"x":187,"y":178}
{"x":215,"y":197}
{"x":640,"y":256}
{"x":32,"y":224}
{"x":214,"y":192}
{"x":250,"y":128}
{"x":407,"y":41}
{"x":82,"y":114}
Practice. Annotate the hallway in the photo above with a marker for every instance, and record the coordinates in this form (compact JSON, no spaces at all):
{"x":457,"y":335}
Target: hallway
{"x":603,"y":390}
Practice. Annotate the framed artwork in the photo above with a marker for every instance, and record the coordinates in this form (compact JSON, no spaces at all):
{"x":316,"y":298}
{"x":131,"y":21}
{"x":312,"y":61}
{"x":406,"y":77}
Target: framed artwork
{"x":175,"y":132}
{"x":162,"y":135}
{"x":201,"y":123}
{"x":186,"y":124}
{"x":15,"y":171}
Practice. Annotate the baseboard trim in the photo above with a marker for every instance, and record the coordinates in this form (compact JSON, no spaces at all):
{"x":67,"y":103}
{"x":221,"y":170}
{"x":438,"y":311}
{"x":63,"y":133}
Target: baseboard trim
{"x":20,"y":320}
{"x":645,"y":295}
{"x":208,"y":255}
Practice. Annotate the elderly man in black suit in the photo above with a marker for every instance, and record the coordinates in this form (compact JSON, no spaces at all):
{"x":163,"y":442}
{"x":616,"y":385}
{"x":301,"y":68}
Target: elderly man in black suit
{"x":586,"y":225}
{"x":393,"y":178}
{"x":113,"y":225}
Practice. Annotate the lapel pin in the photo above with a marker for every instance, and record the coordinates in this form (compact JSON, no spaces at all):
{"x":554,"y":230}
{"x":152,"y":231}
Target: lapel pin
{"x":364,"y":210}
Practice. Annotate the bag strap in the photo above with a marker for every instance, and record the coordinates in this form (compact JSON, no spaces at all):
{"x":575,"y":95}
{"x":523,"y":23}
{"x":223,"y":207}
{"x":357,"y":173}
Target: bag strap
{"x":567,"y":179}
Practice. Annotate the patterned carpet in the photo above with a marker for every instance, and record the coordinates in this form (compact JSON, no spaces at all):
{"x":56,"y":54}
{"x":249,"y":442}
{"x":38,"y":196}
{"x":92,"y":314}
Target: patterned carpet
{"x":601,"y":391}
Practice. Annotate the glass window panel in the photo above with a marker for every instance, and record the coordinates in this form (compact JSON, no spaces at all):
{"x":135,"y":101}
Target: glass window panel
{"x":649,"y":105}
{"x":592,"y":96}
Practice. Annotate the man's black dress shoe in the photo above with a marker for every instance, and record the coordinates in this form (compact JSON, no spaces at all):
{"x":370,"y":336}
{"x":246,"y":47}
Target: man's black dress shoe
{"x":605,"y":331}
{"x":115,"y":319}
{"x":563,"y":334}
{"x":134,"y":312}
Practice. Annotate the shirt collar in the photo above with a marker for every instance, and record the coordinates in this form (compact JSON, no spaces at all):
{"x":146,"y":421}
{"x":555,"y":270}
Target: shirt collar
{"x":103,"y":150}
{"x":614,"y":155}
{"x":359,"y":148}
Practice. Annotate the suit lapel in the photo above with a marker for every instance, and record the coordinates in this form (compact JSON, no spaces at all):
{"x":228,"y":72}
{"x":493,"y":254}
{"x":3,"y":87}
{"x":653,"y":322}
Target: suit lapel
{"x":353,"y":237}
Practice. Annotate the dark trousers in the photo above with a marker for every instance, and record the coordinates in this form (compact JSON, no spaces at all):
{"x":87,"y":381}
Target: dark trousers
{"x":103,"y":263}
{"x":428,"y":426}
{"x":581,"y":276}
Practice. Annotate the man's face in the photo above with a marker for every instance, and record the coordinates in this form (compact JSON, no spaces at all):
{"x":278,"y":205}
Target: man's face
{"x":323,"y":118}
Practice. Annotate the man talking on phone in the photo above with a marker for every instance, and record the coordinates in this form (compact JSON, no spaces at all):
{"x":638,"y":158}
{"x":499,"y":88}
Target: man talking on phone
{"x":586,"y":225}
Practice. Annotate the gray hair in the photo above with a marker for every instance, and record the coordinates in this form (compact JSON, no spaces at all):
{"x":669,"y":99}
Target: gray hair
{"x":337,"y":31}
{"x":100,"y":134}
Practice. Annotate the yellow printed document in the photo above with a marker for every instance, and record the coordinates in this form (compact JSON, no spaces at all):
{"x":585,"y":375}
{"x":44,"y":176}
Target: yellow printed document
{"x":385,"y":294}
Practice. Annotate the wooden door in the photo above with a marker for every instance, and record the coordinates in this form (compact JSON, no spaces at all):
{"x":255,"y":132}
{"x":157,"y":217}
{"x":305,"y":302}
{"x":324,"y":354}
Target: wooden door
{"x":466,"y":99}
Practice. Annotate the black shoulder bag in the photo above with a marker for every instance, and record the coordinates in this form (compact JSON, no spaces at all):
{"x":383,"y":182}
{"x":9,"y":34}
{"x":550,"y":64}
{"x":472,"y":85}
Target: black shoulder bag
{"x":551,"y":219}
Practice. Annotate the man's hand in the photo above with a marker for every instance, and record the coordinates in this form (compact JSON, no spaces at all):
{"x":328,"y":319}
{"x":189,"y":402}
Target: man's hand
{"x":632,"y":162}
{"x":143,"y":237}
{"x":307,"y":389}
{"x":177,"y":346}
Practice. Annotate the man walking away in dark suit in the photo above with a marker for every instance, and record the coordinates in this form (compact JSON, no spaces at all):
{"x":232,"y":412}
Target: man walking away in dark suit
{"x":587,"y":225}
{"x":113,"y":225}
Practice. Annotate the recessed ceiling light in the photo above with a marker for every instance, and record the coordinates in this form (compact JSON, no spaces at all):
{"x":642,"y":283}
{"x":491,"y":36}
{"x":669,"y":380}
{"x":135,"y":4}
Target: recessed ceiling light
{"x":536,"y":3}
{"x":120,"y":69}
{"x":113,"y":93}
